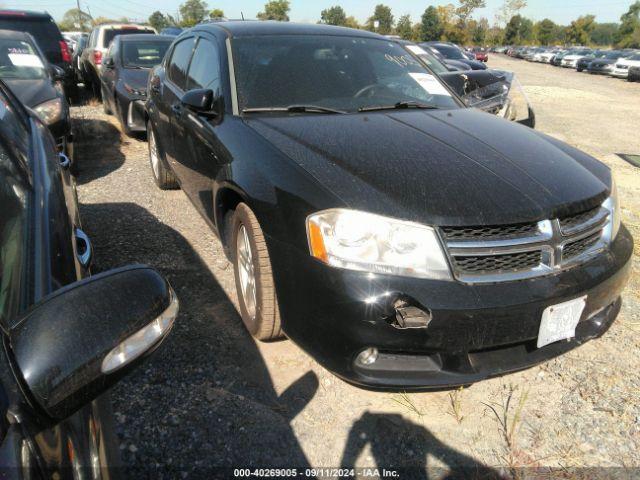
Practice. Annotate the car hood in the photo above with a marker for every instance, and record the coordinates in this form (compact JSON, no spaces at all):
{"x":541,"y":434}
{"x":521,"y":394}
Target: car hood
{"x":604,"y":61}
{"x":573,"y":57}
{"x":33,"y":92}
{"x":135,"y":78}
{"x":446,"y":167}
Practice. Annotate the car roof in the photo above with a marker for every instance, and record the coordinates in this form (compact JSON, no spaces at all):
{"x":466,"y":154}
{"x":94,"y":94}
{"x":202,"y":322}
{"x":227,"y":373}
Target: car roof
{"x":254,"y":27}
{"x":145,"y":36}
{"x":7,"y":12}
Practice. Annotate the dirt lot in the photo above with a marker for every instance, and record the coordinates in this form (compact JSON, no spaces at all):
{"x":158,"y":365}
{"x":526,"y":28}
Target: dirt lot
{"x":213,"y":397}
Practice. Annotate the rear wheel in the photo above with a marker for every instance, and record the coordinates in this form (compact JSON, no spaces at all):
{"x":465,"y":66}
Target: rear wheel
{"x":164,"y":178}
{"x":254,"y":277}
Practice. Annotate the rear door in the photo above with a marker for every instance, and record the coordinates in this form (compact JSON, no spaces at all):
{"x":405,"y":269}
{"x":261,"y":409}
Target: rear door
{"x":170,"y":107}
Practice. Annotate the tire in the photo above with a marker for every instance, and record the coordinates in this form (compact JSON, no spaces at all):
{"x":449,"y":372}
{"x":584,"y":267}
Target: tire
{"x":263,"y":318}
{"x":105,"y":104}
{"x":580,"y":70}
{"x":164,"y":178}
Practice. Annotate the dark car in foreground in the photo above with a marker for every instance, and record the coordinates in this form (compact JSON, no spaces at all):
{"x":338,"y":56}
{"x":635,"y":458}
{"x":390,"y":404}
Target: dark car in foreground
{"x":67,"y":336}
{"x":124,"y":76}
{"x":36,"y":82}
{"x":634,"y":74}
{"x":400,"y":239}
{"x":47,"y":34}
{"x":453,"y":52}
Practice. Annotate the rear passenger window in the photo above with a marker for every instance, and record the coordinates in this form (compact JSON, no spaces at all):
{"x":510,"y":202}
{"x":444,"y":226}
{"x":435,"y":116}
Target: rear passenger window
{"x":204,"y":71}
{"x":180,"y":62}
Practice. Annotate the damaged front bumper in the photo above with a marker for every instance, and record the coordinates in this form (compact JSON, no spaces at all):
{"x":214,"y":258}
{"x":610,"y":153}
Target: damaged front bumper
{"x":348,"y":321}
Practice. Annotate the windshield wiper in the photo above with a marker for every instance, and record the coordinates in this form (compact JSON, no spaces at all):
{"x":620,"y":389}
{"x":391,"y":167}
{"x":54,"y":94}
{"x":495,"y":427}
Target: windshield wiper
{"x":294,"y":109}
{"x":398,"y":106}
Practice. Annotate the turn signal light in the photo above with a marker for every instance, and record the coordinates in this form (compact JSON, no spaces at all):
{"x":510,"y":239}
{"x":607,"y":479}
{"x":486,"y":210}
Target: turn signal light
{"x":316,"y":242}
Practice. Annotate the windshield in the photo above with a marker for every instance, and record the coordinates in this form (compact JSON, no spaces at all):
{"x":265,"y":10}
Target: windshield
{"x":342,"y":73}
{"x":449,"y":52}
{"x":20,"y":61}
{"x":428,"y":58}
{"x":613,"y":55}
{"x":145,"y":54}
{"x":111,"y":33}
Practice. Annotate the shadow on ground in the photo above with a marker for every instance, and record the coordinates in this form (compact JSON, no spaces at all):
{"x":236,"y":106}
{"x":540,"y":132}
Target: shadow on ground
{"x":97,"y":149}
{"x":205,"y":401}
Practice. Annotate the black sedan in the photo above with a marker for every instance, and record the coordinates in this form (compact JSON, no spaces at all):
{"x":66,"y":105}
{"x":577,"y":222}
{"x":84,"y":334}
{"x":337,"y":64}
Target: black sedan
{"x":67,"y":336}
{"x":452,"y":52}
{"x":400,"y":239}
{"x":606,"y":64}
{"x":125,"y":73}
{"x":37,"y":83}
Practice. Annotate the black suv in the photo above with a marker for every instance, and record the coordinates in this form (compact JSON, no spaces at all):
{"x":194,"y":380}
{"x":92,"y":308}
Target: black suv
{"x":43,"y":28}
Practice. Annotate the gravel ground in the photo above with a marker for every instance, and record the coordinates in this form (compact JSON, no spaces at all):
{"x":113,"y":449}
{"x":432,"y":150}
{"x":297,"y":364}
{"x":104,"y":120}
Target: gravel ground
{"x":212,"y":397}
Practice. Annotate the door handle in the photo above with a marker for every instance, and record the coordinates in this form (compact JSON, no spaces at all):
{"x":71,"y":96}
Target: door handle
{"x":84,"y":251}
{"x":64,"y":160}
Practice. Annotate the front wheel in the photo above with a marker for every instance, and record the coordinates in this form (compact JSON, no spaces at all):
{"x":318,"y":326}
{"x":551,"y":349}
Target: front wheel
{"x":164,"y":178}
{"x":254,"y":277}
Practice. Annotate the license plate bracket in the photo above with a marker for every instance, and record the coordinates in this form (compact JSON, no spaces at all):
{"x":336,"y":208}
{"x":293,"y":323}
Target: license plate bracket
{"x":559,"y":321}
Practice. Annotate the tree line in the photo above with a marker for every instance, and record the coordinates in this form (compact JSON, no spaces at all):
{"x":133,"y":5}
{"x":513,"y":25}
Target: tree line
{"x":451,"y":22}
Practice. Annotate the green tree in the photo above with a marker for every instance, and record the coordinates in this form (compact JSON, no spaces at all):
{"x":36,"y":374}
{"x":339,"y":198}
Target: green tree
{"x":579,"y":31}
{"x":381,"y":14}
{"x":334,"y":16}
{"x":467,"y":7}
{"x":431,"y":27}
{"x":276,"y":10}
{"x":404,"y":28}
{"x":479,"y":31}
{"x":629,"y":33}
{"x":605,"y":33}
{"x":193,"y":12}
{"x":351,"y":22}
{"x":158,"y":21}
{"x":519,"y":30}
{"x":509,"y":9}
{"x":216,"y":13}
{"x":75,"y":19}
{"x":546,"y":32}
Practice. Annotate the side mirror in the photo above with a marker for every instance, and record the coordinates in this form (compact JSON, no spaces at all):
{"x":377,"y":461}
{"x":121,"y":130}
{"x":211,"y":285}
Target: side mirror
{"x":203,"y":102}
{"x":56,"y":72}
{"x":77,"y":342}
{"x":109,"y":63}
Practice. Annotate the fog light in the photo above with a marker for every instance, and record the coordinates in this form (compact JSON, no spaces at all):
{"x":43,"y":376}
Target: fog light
{"x":368,"y":356}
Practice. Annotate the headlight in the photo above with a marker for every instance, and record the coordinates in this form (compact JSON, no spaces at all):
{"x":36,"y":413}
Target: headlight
{"x":50,"y":111}
{"x":372,"y":243}
{"x":613,"y":205}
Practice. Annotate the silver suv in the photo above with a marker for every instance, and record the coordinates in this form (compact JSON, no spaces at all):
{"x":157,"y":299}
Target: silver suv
{"x":97,"y":46}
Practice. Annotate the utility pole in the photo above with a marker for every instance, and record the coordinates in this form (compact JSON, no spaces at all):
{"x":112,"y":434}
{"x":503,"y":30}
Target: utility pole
{"x":79,"y":16}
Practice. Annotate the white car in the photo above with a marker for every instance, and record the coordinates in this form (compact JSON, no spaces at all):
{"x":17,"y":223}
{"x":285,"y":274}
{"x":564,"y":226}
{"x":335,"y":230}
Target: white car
{"x":623,"y":65}
{"x":545,"y":57}
{"x":98,"y":44}
{"x":571,"y":61}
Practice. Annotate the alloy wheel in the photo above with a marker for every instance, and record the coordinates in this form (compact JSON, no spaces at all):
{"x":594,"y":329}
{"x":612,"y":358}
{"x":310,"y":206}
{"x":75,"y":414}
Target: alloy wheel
{"x":246,"y":271}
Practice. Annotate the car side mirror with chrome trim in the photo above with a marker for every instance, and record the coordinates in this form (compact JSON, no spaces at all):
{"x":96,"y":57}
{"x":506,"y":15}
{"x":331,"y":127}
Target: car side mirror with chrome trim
{"x":203,"y":102}
{"x":79,"y":341}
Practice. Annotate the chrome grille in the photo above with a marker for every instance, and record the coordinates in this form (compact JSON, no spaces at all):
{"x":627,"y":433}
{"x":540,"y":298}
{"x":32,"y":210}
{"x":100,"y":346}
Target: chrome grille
{"x":498,"y":263}
{"x":513,"y":252}
{"x":494,"y":232}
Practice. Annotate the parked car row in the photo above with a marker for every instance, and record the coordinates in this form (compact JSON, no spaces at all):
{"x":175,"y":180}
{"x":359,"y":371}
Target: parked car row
{"x":615,"y":63}
{"x":401,"y":238}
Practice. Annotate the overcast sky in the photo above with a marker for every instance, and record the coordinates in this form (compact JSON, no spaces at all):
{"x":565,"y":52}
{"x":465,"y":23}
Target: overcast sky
{"x":559,"y":11}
